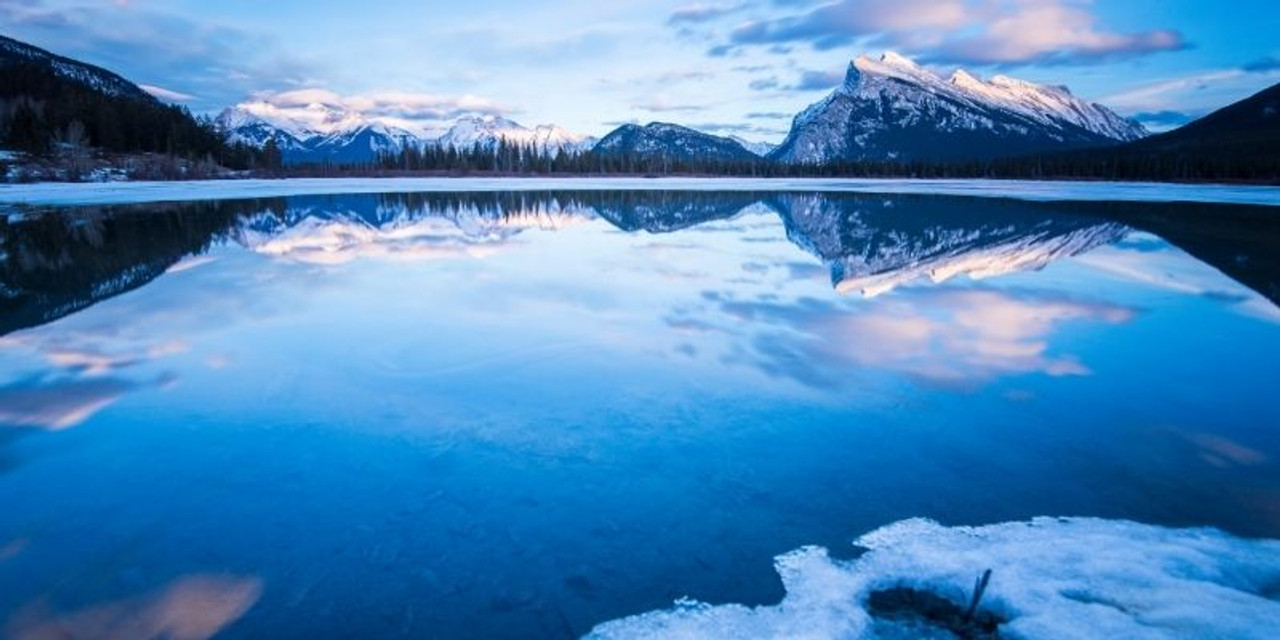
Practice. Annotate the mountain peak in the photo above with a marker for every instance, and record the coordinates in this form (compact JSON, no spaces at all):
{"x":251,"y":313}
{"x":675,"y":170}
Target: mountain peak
{"x":894,"y":59}
{"x":965,"y":80}
{"x":891,"y":65}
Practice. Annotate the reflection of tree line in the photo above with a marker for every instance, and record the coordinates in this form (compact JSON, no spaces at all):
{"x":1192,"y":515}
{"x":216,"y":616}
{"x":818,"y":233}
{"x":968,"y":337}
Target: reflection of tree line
{"x":56,"y":262}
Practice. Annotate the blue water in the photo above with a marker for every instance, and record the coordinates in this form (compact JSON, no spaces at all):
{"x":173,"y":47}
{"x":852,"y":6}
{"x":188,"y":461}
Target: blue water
{"x":521,"y":415}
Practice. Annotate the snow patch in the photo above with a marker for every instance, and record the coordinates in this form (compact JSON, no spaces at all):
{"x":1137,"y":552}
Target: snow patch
{"x":1052,"y":578}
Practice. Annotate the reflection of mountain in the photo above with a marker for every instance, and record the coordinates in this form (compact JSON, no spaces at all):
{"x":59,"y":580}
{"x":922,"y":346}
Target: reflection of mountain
{"x":666,"y":211}
{"x":874,"y":243}
{"x":54,"y":263}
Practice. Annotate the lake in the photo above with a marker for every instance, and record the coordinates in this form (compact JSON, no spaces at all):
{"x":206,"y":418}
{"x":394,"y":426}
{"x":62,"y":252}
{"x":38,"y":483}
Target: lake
{"x":499,"y":414}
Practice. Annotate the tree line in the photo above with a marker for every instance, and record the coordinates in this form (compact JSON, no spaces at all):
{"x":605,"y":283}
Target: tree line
{"x":42,"y":112}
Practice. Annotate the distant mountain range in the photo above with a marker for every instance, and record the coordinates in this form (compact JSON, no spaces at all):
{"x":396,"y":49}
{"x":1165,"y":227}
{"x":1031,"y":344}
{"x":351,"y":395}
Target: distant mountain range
{"x":892,"y":109}
{"x":346,"y":138}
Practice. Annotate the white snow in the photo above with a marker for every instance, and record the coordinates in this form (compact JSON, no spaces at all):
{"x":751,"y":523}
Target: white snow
{"x":1076,"y":578}
{"x":57,"y":193}
{"x":326,"y":127}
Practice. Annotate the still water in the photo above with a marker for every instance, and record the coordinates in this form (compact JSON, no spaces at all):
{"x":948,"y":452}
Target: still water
{"x":498,"y":415}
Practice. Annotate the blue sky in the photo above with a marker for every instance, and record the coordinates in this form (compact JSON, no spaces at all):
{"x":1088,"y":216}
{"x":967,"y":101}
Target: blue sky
{"x":727,"y":66}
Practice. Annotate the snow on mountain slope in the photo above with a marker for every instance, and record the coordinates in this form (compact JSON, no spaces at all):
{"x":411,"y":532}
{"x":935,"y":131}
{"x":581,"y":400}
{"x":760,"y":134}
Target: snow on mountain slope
{"x":488,"y":131}
{"x":761,"y":149}
{"x":874,"y":245}
{"x":97,"y":78}
{"x":894,"y":109}
{"x":322,"y":133}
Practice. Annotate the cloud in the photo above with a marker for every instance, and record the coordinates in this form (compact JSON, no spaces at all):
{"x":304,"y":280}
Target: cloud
{"x":166,"y":94}
{"x":817,"y":80}
{"x":957,"y":31}
{"x":195,"y":607}
{"x":950,"y":337}
{"x":1052,"y":33}
{"x":697,"y":13}
{"x":1156,"y":120}
{"x":58,"y":405}
{"x":1196,"y":93}
{"x":809,"y":80}
{"x":770,"y":115}
{"x":659,"y":106}
{"x":840,"y":23}
{"x":1269,"y":63}
{"x":324,"y":110}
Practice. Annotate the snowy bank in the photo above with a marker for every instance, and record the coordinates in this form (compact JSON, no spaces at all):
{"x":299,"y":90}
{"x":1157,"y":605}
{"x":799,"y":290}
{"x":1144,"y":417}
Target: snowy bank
{"x":1052,"y":578}
{"x":126,"y":192}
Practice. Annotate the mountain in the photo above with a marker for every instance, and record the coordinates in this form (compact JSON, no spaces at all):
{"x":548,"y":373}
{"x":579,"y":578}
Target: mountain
{"x":1247,"y":129}
{"x":52,"y":103}
{"x":761,"y":149}
{"x":331,"y":135}
{"x":14,"y":53}
{"x":892,"y":109}
{"x":674,"y":142}
{"x":489,"y":130}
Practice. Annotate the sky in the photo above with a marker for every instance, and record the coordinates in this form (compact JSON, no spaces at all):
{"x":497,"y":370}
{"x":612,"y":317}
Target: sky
{"x":725,"y":66}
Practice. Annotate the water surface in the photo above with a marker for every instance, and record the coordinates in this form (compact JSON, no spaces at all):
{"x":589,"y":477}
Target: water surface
{"x":522,"y":414}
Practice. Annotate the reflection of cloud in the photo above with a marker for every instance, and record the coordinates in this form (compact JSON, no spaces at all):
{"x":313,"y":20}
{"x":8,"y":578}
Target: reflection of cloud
{"x":939,"y":336}
{"x":191,"y":608}
{"x":59,"y":405}
{"x":12,"y":549}
{"x":1223,"y":452}
{"x":1161,"y":266}
{"x":338,"y":240}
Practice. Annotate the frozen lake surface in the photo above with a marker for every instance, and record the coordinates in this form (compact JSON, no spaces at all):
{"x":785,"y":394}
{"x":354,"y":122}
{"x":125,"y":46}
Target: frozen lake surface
{"x":125,"y":192}
{"x":466,"y":411}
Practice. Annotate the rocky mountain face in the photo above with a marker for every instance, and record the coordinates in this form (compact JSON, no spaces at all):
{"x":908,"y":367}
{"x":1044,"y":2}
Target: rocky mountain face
{"x":892,"y":109}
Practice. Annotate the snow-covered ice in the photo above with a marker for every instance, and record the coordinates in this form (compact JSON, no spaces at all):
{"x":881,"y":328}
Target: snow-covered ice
{"x":1052,"y":578}
{"x":127,"y":192}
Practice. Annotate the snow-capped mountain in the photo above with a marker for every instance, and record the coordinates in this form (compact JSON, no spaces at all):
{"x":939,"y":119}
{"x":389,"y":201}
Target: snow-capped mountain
{"x":327,"y":134}
{"x":874,"y":245}
{"x":96,"y":78}
{"x":894,"y":109}
{"x":761,"y":149}
{"x":489,"y":130}
{"x":662,"y":140}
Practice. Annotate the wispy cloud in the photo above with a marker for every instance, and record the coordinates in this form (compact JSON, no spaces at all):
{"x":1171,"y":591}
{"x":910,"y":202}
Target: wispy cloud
{"x":324,"y":110}
{"x":701,"y":12}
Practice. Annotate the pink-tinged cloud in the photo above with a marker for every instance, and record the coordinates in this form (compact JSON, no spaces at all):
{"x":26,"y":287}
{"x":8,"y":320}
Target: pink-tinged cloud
{"x":196,"y":607}
{"x":959,"y":31}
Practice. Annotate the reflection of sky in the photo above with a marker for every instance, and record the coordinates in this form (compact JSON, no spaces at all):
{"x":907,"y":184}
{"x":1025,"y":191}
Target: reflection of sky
{"x":612,"y":414}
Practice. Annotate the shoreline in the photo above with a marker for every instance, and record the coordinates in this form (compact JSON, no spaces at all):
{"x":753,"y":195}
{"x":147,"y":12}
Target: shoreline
{"x":126,"y":192}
